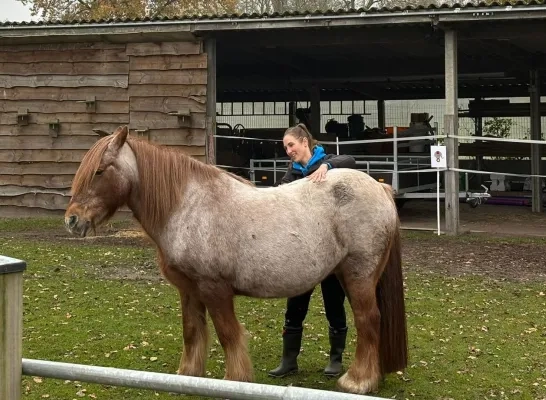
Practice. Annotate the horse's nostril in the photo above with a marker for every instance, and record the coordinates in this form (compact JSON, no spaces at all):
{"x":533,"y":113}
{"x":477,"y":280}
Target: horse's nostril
{"x":73,"y":220}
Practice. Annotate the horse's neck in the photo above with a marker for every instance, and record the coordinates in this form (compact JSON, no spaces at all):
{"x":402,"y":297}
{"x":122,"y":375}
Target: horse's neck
{"x":145,"y":199}
{"x":166,"y":187}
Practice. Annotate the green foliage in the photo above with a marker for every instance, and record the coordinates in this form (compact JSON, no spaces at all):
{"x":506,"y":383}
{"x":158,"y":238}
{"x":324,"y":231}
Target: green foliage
{"x":498,"y":127}
{"x":106,"y":9}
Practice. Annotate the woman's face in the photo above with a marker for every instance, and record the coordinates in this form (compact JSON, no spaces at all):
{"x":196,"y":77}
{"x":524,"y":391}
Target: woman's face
{"x":296,"y":149}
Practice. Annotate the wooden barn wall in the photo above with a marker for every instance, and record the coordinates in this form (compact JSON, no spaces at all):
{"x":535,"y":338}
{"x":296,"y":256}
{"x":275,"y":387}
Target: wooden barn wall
{"x":139,"y":84}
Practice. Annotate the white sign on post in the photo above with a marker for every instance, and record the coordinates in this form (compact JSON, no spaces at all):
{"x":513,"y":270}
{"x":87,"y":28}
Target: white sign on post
{"x":438,"y":160}
{"x":438,"y":157}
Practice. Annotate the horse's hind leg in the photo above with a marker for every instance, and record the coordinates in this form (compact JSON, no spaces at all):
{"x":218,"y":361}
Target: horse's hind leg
{"x":231,"y":335}
{"x":364,"y":373}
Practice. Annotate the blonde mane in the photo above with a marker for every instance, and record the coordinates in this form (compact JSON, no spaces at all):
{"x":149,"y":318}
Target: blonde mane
{"x":89,"y":165}
{"x":163,"y":175}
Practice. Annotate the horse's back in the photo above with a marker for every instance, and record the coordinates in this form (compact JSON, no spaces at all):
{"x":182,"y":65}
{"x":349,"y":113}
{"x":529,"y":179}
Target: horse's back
{"x":365,"y":210}
{"x":346,"y":187}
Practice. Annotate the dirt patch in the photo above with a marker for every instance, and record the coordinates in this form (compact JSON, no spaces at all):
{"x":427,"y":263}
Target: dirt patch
{"x":490,"y":258}
{"x":147,"y":271}
{"x":497,"y":219}
{"x":107,"y":236}
{"x":486,"y":254}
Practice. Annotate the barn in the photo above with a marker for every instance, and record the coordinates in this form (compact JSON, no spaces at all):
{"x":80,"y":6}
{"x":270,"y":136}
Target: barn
{"x":61,"y":82}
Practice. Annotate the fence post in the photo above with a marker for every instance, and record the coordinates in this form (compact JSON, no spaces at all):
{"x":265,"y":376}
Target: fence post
{"x":11,"y":327}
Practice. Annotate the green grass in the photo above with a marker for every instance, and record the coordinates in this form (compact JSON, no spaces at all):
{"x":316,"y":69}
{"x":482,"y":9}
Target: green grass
{"x":470,"y":338}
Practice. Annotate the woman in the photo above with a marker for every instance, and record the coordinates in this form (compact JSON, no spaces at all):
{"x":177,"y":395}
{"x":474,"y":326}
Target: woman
{"x":309,"y":160}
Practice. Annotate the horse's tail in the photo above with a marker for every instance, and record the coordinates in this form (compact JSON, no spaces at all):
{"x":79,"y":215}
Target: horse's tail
{"x":393,"y":348}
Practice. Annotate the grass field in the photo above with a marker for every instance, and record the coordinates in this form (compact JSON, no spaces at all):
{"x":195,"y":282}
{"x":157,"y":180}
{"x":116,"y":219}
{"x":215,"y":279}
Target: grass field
{"x":104,"y":303}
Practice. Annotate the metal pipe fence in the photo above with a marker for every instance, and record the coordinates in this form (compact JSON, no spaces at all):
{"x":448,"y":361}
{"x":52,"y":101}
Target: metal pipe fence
{"x":209,"y":387}
{"x":13,"y":366}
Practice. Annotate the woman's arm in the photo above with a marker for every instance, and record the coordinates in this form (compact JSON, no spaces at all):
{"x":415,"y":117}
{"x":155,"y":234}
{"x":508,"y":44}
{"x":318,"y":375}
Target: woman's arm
{"x":340,"y":161}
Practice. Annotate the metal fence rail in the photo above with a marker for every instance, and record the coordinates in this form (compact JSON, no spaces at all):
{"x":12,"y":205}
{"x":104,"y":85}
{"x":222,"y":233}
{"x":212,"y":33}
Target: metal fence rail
{"x":13,"y":366}
{"x":179,"y":384}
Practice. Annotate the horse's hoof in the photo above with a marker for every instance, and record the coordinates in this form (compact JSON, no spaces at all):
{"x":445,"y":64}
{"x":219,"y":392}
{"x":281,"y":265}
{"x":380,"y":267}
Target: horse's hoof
{"x":347,"y":384}
{"x":190,"y":372}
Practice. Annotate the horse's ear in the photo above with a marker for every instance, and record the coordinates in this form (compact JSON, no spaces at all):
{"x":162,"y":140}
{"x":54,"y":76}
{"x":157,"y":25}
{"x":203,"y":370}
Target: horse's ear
{"x":120,"y":136}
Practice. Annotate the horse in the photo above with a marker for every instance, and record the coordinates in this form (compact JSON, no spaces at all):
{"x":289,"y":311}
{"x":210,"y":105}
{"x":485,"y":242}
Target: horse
{"x":219,"y":236}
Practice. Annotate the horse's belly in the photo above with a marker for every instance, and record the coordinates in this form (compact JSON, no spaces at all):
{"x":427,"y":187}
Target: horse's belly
{"x":259,"y":260}
{"x":285,"y":273}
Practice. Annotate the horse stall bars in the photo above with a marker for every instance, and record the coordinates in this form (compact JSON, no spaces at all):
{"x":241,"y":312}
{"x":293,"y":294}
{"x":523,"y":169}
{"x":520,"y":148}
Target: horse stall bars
{"x":388,"y":168}
{"x":11,"y":327}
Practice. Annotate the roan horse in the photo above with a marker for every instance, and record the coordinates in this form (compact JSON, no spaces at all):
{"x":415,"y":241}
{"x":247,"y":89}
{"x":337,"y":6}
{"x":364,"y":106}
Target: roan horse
{"x":219,"y":236}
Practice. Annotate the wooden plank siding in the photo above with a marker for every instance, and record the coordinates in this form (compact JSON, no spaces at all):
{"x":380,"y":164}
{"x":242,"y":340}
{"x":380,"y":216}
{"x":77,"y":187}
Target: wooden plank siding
{"x":167,"y":78}
{"x":135,"y":84}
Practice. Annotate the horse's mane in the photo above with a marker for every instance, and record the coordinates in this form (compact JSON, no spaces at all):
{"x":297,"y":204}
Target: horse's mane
{"x":89,"y":165}
{"x":160,"y":170}
{"x":164,"y":173}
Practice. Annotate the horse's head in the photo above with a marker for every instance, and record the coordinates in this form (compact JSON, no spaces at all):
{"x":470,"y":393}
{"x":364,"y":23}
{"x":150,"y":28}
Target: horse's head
{"x":102,"y":183}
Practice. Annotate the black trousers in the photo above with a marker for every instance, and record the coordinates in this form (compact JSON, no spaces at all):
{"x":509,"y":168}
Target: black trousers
{"x":333,"y":297}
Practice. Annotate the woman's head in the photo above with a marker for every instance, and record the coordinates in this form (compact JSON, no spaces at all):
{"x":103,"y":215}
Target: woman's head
{"x":298,"y":143}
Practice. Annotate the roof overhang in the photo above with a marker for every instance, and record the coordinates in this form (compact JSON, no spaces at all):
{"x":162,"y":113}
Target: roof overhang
{"x":187,"y":28}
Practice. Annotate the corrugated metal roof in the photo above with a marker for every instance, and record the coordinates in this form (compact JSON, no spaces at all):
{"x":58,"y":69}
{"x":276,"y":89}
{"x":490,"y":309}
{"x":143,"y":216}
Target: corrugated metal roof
{"x":220,"y":17}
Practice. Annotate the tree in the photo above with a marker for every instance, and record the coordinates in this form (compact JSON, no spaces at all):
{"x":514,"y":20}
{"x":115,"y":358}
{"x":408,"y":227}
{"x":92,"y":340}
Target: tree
{"x":498,"y":127}
{"x":106,"y":9}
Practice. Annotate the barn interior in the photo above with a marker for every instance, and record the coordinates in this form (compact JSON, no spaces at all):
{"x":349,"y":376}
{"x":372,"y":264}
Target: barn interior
{"x":500,"y":54}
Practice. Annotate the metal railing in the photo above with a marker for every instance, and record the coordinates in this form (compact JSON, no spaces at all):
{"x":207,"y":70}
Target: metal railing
{"x":13,"y":366}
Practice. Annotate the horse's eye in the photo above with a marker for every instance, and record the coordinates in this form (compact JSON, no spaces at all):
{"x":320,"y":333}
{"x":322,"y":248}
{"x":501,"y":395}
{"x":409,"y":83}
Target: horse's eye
{"x":99,"y":172}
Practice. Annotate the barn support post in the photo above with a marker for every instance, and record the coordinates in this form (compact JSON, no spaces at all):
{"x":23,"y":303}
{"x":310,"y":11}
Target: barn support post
{"x":11,"y":327}
{"x":451,"y":127}
{"x":292,"y":120}
{"x":478,"y":131}
{"x":381,"y":114}
{"x":210,"y":142}
{"x":315,"y":111}
{"x":536,"y":134}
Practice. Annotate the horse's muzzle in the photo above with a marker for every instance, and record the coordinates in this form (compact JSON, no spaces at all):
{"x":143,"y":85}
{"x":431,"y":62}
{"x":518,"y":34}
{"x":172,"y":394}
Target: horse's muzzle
{"x":76,"y":226}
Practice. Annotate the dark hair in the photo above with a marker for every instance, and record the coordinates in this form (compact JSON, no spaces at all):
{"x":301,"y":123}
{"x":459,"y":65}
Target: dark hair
{"x":299,"y":132}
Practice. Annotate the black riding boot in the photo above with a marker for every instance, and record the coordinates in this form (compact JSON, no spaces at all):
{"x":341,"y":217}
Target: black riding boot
{"x":291,"y":344}
{"x":337,"y":346}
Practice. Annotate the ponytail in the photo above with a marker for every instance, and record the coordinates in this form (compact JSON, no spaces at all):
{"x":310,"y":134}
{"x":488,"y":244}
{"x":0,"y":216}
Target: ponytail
{"x":299,"y":132}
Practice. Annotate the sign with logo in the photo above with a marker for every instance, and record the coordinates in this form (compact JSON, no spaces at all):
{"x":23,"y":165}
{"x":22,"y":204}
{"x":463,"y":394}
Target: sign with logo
{"x":438,"y":157}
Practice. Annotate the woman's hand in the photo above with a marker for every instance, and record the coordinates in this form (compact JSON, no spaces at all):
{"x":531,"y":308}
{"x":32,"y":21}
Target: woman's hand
{"x":320,"y":174}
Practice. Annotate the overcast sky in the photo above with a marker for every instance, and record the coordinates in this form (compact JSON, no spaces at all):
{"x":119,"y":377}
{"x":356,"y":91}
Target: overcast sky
{"x":14,"y":11}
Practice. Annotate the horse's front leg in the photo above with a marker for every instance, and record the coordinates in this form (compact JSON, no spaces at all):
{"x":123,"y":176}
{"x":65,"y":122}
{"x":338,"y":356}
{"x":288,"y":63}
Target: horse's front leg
{"x":231,"y":334}
{"x":195,"y":332}
{"x":194,"y":323}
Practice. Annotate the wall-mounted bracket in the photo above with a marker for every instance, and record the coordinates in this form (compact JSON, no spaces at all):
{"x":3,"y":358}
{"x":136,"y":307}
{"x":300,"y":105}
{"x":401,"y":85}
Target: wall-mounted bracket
{"x":143,"y":133}
{"x":90,"y":104}
{"x":54,"y":128}
{"x":23,"y":117}
{"x":101,"y":132}
{"x":184,"y":116}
